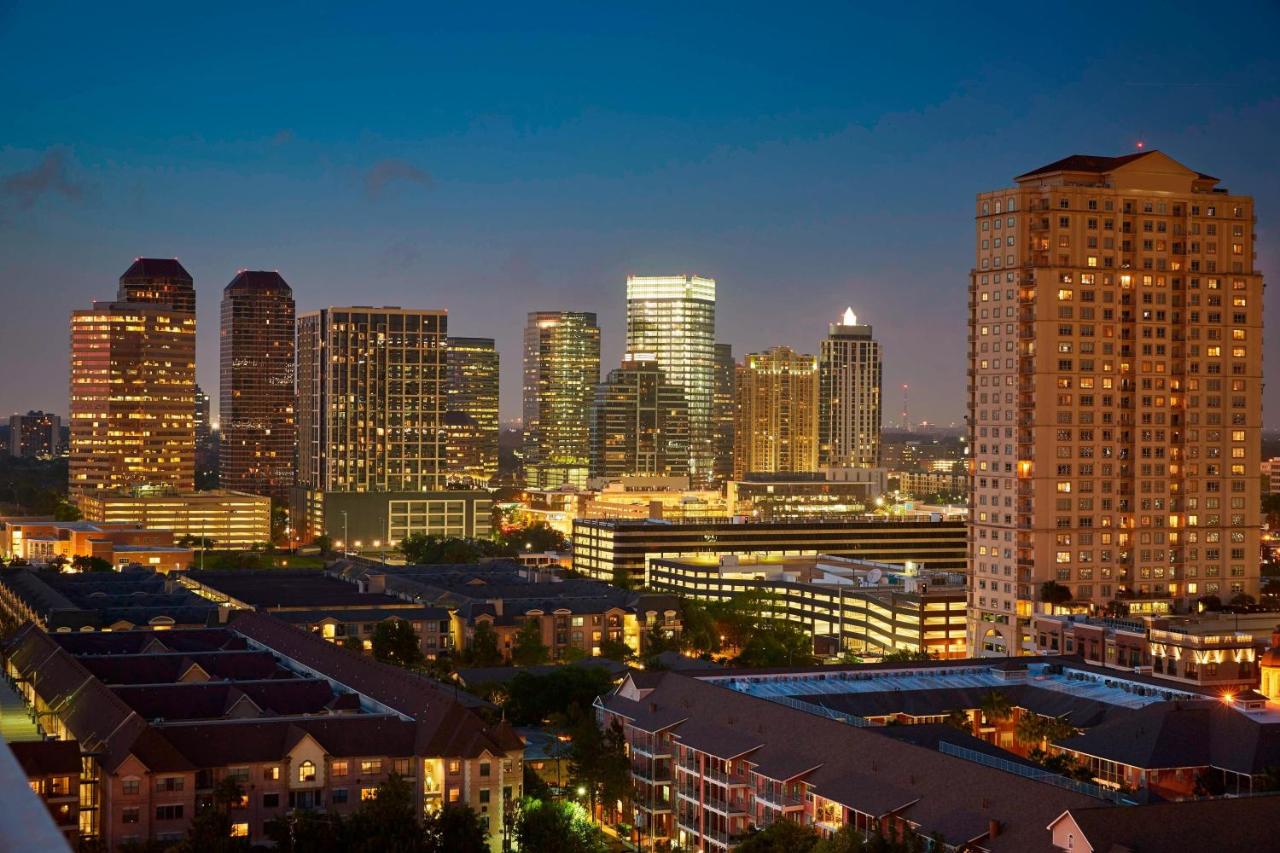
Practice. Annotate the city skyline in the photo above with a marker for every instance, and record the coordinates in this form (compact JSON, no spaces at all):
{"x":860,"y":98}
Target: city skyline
{"x":800,"y":189}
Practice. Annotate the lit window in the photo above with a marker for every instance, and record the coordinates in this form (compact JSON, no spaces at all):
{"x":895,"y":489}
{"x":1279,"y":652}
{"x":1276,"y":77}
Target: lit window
{"x":307,"y":771}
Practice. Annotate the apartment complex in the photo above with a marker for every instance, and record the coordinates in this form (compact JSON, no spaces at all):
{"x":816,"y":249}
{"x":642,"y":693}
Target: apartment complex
{"x":100,"y":601}
{"x":301,"y":723}
{"x":776,"y":427}
{"x":620,"y":550}
{"x":673,"y":317}
{"x":35,"y":435}
{"x":561,"y":369}
{"x":849,"y":397}
{"x":640,"y":425}
{"x":257,"y":385}
{"x":133,"y":382}
{"x":1115,"y":378}
{"x":233,"y":520}
{"x":847,"y":606}
{"x":370,"y":385}
{"x":471,"y":411}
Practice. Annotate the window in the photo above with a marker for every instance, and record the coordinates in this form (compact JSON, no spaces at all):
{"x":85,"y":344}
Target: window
{"x":131,"y":814}
{"x":270,"y":801}
{"x":271,"y":774}
{"x":339,"y":796}
{"x":131,"y":786}
{"x":484,"y":769}
{"x":338,"y":768}
{"x":239,"y":830}
{"x":170,"y":783}
{"x":370,"y":766}
{"x":307,"y":771}
{"x":368,"y":794}
{"x":173,"y":812}
{"x":401,"y":767}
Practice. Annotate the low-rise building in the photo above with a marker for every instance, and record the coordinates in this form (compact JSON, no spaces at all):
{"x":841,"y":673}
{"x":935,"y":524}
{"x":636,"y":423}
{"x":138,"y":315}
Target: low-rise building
{"x":768,"y":497}
{"x":846,"y":605}
{"x":163,"y":717}
{"x":376,"y":522}
{"x":322,"y":604}
{"x":619,"y":550}
{"x":232,"y":520}
{"x":53,"y":771}
{"x":43,"y":540}
{"x":100,"y":601}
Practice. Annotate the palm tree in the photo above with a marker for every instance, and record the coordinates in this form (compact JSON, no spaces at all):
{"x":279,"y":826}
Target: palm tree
{"x":1030,"y":729}
{"x":995,"y":707}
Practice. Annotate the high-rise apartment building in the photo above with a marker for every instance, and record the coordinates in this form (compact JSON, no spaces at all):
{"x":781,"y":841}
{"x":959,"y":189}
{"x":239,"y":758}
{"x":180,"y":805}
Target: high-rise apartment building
{"x":674,"y":317}
{"x":777,"y":420}
{"x":471,"y":410}
{"x":1115,"y":379}
{"x":35,"y":435}
{"x":641,"y":423}
{"x":370,"y":399}
{"x":133,"y":382}
{"x":724,"y":404}
{"x":256,"y":409}
{"x":561,"y":370}
{"x":849,"y":396}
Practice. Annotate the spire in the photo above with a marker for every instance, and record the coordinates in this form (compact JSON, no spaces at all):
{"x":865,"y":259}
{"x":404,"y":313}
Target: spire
{"x":850,"y":318}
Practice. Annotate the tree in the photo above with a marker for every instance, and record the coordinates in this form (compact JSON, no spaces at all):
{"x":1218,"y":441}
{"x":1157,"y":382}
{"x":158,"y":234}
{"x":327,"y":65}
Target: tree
{"x":779,"y":644}
{"x":781,"y":836}
{"x":535,"y":537}
{"x":1210,"y":603}
{"x":527,"y":649}
{"x":616,"y":650}
{"x":431,"y":549}
{"x":598,"y":761}
{"x":353,"y":643}
{"x":995,"y":707}
{"x":325,"y":543}
{"x":544,"y":826}
{"x":906,"y":656}
{"x":395,"y":642}
{"x":484,"y":646}
{"x":566,"y":692}
{"x":698,"y":632}
{"x":959,"y":719}
{"x":387,"y":822}
{"x":200,"y":543}
{"x":307,"y":831}
{"x":1242,"y":599}
{"x":455,"y":829}
{"x":210,"y":830}
{"x":65,"y":511}
{"x":87,"y":563}
{"x":1054,"y":593}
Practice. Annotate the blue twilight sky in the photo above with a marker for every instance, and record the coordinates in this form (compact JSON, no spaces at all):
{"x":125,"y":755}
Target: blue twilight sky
{"x":498,"y":158}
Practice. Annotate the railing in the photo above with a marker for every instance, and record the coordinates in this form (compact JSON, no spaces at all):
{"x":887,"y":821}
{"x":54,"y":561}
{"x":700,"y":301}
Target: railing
{"x":1086,"y":788}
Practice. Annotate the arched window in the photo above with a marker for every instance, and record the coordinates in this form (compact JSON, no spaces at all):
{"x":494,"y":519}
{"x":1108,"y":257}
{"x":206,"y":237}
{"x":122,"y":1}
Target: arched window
{"x":307,"y":771}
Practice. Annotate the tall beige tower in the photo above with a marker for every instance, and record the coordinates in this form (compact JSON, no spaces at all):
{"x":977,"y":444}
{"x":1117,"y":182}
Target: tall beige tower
{"x":133,"y":384}
{"x":1115,"y":379}
{"x":777,"y":417}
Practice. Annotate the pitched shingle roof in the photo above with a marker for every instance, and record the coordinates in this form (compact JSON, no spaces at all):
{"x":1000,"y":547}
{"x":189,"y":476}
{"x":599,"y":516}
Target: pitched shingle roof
{"x":1191,"y":826}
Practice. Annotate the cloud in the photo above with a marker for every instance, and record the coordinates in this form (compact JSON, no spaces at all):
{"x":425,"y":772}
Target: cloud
{"x":51,"y":175}
{"x":386,"y":172}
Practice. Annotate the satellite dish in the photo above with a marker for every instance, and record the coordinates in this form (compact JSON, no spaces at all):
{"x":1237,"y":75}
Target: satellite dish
{"x":873,"y":577}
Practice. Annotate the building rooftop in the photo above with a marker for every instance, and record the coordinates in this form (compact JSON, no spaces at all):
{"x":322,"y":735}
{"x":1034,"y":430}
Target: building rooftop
{"x":1246,"y":823}
{"x":1097,"y":164}
{"x":258,"y":281}
{"x":145,"y":269}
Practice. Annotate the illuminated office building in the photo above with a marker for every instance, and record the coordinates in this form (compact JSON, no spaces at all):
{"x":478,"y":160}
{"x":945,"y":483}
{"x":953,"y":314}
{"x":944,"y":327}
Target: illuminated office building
{"x":35,"y":435}
{"x":257,"y":395}
{"x":133,"y":384}
{"x":640,"y":424}
{"x":1115,"y":380}
{"x":674,"y":317}
{"x":561,"y":370}
{"x":849,"y":396}
{"x":777,"y":419}
{"x":471,"y":410}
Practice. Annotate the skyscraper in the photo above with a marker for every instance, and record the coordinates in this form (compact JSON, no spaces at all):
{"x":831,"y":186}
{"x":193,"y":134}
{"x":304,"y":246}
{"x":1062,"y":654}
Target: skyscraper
{"x":724,"y":405}
{"x":371,"y":442}
{"x":256,"y":409}
{"x":641,"y":423}
{"x":158,"y":280}
{"x":202,"y":421}
{"x":849,"y":396}
{"x":133,"y":383}
{"x":471,"y":416}
{"x":35,"y":435}
{"x":777,"y":427}
{"x":674,"y":317}
{"x":1115,"y":364}
{"x":561,"y":369}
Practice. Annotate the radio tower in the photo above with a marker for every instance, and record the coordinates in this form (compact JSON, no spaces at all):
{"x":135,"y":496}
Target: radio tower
{"x":906,"y":419}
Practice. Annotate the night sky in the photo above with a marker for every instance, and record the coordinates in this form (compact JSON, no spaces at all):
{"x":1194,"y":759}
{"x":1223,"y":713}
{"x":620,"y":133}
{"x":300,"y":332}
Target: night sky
{"x":527,"y":156}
